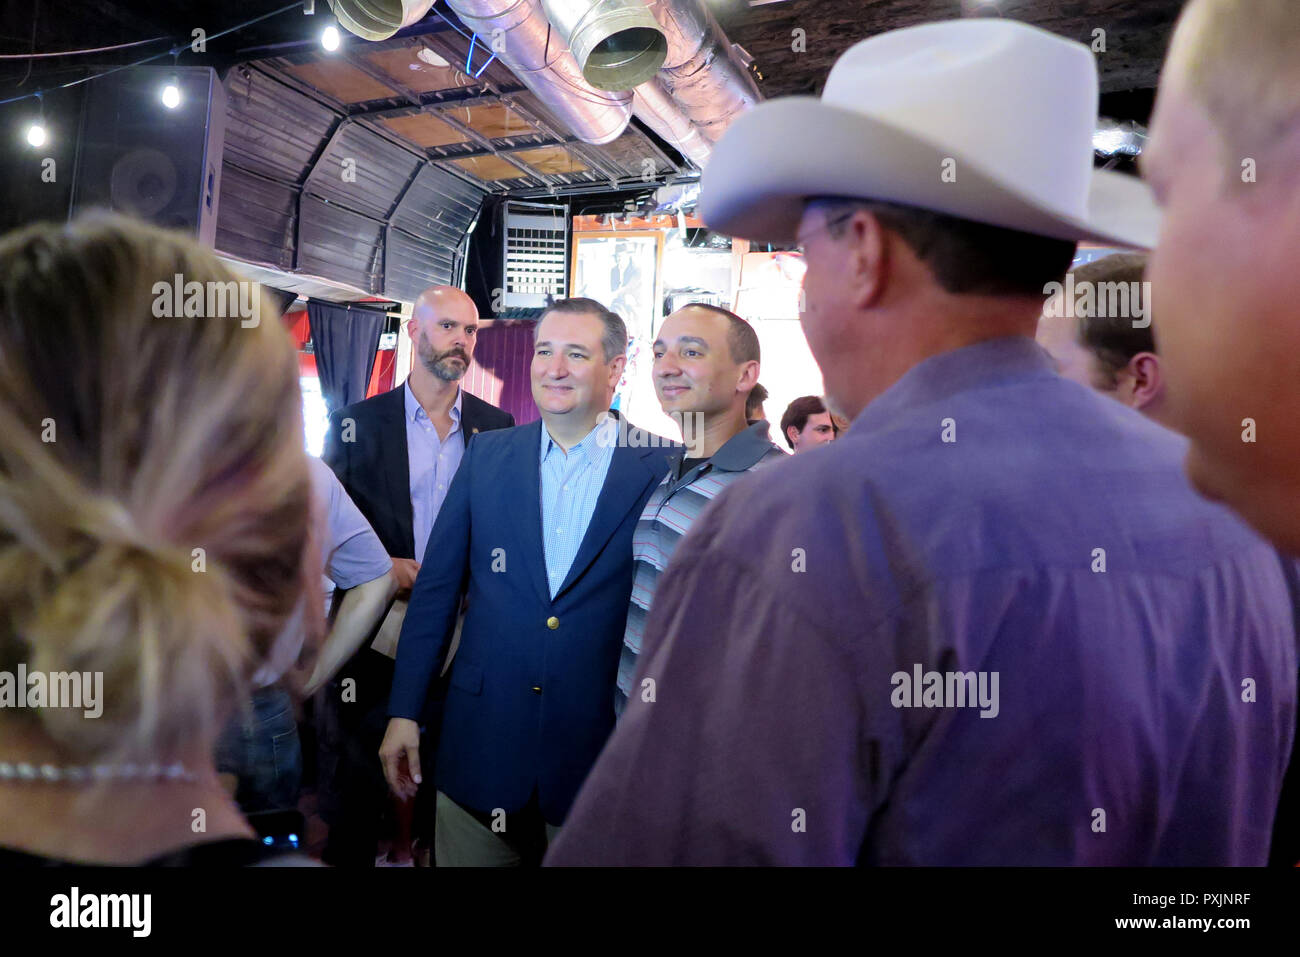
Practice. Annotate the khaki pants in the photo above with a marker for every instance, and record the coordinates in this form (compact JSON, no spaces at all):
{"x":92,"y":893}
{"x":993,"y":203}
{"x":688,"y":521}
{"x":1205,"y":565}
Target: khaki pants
{"x":462,"y":839}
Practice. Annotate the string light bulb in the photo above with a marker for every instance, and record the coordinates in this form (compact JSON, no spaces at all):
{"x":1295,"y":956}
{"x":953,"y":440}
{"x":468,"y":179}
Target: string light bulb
{"x":329,"y":38}
{"x":171,"y":94}
{"x":36,"y":132}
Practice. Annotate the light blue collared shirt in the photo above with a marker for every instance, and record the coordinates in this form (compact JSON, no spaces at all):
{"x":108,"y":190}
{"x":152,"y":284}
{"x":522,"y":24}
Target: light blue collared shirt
{"x":571,"y":486}
{"x":433,"y":462}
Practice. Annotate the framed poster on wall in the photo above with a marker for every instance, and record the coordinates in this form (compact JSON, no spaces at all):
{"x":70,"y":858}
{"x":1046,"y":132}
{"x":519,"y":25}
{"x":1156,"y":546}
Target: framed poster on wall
{"x":620,"y":270}
{"x":623,"y":271}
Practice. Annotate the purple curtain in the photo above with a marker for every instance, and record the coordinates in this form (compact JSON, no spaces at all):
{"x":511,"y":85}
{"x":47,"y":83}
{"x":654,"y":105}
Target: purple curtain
{"x":499,"y":373}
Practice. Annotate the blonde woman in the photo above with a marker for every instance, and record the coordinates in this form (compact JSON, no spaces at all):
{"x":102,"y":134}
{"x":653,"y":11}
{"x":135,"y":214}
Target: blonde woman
{"x":154,"y":515}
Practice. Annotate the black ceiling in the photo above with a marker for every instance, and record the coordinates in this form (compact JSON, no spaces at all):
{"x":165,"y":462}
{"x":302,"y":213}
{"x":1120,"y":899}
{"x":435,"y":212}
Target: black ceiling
{"x":1136,"y":35}
{"x":56,"y":25}
{"x":277,"y":181}
{"x":1137,"y":32}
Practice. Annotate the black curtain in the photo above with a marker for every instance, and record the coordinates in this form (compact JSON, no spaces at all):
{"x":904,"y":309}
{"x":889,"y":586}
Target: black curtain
{"x":486,"y":269}
{"x":345,"y":340}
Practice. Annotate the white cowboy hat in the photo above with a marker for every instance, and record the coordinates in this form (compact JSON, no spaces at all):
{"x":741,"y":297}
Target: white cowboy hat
{"x":985,"y":119}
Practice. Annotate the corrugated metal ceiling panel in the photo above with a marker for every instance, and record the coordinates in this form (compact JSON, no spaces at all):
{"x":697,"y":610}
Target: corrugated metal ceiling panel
{"x":272,"y":129}
{"x":379,"y":171}
{"x":412,"y":265}
{"x":438,"y":206}
{"x":255,"y":218}
{"x":340,"y":245}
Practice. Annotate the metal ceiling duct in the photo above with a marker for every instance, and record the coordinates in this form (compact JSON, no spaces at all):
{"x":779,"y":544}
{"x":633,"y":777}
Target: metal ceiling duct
{"x":518,"y":32}
{"x":617,"y":43}
{"x":378,"y":19}
{"x":709,"y":86}
{"x":659,"y":111}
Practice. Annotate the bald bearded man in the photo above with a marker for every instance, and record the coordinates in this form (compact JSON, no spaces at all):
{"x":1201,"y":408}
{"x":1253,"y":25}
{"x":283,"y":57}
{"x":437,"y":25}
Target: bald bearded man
{"x":411,"y":439}
{"x":396,"y":454}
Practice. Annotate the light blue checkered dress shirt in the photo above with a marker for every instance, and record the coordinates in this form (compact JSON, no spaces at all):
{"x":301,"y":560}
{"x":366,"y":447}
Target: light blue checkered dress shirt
{"x":433,"y":463}
{"x":571,"y":486}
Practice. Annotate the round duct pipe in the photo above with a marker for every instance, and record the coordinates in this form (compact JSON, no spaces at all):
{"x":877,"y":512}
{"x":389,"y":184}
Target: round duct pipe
{"x":618,"y":43}
{"x":544,"y":64}
{"x":378,"y":19}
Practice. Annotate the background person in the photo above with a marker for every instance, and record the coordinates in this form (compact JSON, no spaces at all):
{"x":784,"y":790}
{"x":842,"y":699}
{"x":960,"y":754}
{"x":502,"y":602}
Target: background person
{"x":356,"y":564}
{"x":754,"y":404}
{"x":806,"y":424}
{"x":259,"y":755}
{"x":1115,"y":355}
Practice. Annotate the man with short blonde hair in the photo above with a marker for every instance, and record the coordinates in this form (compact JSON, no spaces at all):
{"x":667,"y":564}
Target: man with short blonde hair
{"x":1224,"y":162}
{"x":1240,"y":59}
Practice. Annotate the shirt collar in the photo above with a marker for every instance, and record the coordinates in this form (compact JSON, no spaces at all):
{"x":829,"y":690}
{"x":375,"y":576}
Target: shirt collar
{"x":988,"y":363}
{"x":414,"y":410}
{"x":741,"y":452}
{"x":602,"y":437}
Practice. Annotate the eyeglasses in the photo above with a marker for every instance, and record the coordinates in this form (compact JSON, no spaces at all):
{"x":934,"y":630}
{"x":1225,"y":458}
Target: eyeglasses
{"x":801,"y":241}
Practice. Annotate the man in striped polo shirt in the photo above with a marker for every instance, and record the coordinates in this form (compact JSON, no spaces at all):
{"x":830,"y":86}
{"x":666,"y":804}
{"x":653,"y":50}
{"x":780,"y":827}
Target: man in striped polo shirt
{"x":706,"y":362}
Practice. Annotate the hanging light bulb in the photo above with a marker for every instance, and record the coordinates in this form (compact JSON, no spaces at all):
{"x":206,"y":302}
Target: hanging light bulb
{"x":36,"y":132}
{"x":329,"y":38}
{"x":171,"y":94}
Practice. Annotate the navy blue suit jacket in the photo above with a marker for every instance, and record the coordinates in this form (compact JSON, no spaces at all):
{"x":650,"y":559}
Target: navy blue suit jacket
{"x":530,"y":701}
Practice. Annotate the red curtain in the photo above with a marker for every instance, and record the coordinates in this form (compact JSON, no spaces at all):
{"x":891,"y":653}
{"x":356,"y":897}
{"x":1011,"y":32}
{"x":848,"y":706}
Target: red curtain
{"x":381,"y":376}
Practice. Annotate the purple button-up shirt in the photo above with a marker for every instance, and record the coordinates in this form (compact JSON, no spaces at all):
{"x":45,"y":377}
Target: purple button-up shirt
{"x":1113,"y":658}
{"x":433,"y":463}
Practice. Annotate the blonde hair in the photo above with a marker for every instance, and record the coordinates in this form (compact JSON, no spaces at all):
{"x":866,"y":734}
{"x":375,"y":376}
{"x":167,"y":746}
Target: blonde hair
{"x":154,"y":492}
{"x":1241,"y":59}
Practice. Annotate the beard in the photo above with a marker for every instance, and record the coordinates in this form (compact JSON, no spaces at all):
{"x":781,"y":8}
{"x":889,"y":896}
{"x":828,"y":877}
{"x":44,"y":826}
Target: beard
{"x":440,"y":364}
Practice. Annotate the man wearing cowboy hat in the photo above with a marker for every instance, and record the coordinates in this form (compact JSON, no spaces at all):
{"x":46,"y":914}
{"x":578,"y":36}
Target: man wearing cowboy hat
{"x":1044,"y":648}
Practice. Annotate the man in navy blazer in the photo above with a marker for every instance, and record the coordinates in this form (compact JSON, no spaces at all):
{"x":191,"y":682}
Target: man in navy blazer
{"x":537,"y":531}
{"x":395,"y":454}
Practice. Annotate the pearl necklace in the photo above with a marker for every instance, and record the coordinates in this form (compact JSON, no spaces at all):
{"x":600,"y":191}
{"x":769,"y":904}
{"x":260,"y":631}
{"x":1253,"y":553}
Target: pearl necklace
{"x":51,"y":774}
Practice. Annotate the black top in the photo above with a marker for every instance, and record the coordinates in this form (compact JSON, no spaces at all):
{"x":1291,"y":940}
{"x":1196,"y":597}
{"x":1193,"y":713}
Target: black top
{"x":230,"y":852}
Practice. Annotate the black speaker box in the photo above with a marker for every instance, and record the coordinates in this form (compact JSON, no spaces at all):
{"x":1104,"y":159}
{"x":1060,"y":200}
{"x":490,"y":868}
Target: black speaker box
{"x":137,"y":156}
